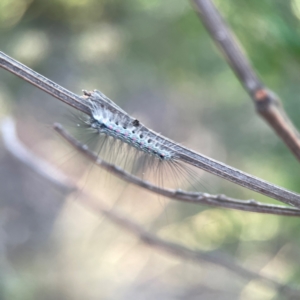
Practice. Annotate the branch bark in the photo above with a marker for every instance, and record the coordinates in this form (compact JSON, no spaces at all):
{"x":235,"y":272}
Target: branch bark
{"x":198,"y":198}
{"x":266,"y":102}
{"x":185,"y":155}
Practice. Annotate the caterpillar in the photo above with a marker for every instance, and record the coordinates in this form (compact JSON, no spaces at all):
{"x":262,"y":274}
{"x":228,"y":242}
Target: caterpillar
{"x":154,"y":151}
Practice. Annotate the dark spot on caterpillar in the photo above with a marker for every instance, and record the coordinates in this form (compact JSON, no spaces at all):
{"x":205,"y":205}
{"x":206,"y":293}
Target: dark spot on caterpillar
{"x":136,"y":123}
{"x":117,"y":123}
{"x":86,"y":93}
{"x":149,"y":141}
{"x":124,"y":127}
{"x":141,"y":136}
{"x":161,"y":156}
{"x":133,"y":131}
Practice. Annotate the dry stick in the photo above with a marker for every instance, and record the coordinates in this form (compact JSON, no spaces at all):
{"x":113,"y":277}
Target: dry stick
{"x":185,"y":154}
{"x":42,"y":83}
{"x":198,"y":198}
{"x":44,"y":169}
{"x":266,"y":102}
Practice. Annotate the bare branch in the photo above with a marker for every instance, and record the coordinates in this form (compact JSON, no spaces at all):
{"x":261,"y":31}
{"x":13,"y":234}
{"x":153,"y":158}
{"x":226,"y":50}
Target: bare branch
{"x":266,"y":102}
{"x":21,"y":153}
{"x":42,"y":83}
{"x":198,"y":198}
{"x":184,"y":154}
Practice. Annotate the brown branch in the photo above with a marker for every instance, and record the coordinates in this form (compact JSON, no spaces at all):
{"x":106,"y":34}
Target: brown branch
{"x":21,"y":153}
{"x":266,"y":102}
{"x":184,"y":154}
{"x":198,"y":198}
{"x":42,"y":83}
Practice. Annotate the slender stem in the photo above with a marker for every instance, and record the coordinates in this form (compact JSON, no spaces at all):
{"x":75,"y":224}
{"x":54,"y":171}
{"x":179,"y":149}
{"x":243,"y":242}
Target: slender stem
{"x":266,"y":102}
{"x":239,"y":177}
{"x":42,"y":82}
{"x":185,"y":154}
{"x":198,"y":198}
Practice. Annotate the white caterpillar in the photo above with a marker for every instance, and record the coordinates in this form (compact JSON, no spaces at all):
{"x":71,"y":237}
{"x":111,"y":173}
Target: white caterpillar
{"x":154,"y":152}
{"x":110,"y":119}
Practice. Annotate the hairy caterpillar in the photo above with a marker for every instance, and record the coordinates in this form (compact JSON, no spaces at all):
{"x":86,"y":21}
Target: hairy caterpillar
{"x":107,"y":119}
{"x":150,"y":150}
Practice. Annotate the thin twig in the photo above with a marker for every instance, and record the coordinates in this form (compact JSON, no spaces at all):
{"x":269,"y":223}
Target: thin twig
{"x":198,"y":160}
{"x":21,"y":153}
{"x":198,"y":198}
{"x":267,"y":103}
{"x":185,"y":253}
{"x":42,"y":83}
{"x":186,"y":155}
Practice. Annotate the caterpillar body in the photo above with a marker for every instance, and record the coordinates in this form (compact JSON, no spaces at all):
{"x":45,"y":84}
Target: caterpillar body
{"x":110,"y":119}
{"x":153,"y":152}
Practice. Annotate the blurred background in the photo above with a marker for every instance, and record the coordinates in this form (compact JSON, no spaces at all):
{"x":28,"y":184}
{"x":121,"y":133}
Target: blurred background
{"x":156,"y":61}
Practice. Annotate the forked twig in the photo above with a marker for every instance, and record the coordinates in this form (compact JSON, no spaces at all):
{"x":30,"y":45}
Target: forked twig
{"x":198,"y":198}
{"x":21,"y":153}
{"x":186,"y":155}
{"x":267,"y":103}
